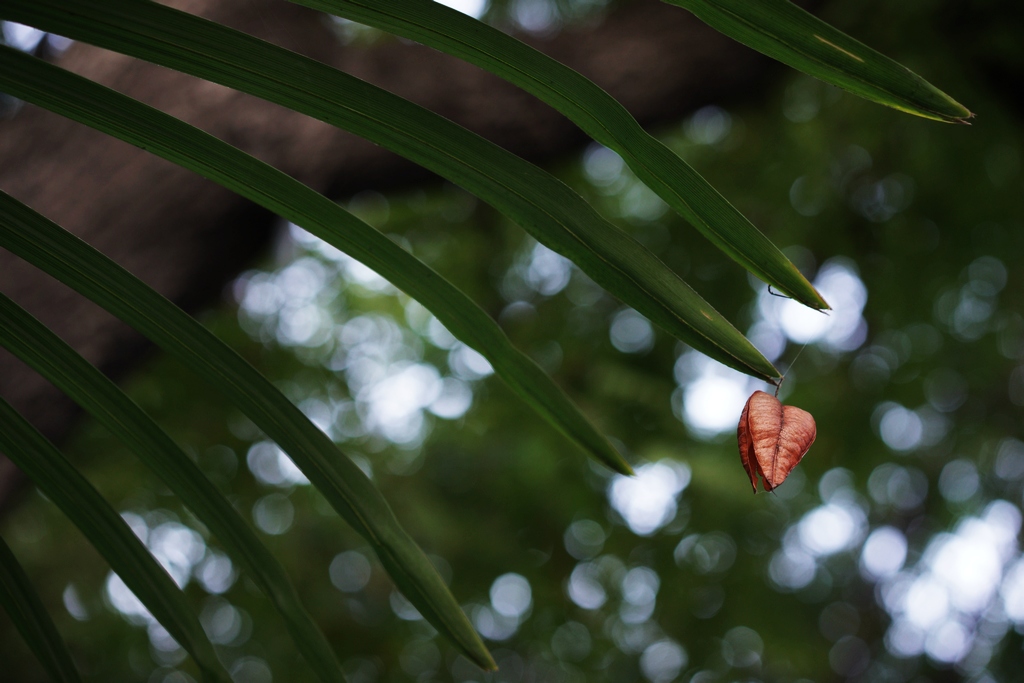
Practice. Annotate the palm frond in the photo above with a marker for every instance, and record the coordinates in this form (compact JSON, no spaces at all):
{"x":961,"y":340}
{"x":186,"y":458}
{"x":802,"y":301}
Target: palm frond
{"x":598,"y":114}
{"x":129,"y":120}
{"x":795,"y":37}
{"x":109,"y":534}
{"x":22,"y":603}
{"x":44,"y":244}
{"x":554,"y":214}
{"x":29,"y":340}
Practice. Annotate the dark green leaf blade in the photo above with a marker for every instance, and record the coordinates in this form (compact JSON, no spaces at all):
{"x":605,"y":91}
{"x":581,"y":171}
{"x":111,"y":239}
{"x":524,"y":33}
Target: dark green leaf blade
{"x":551,"y":211}
{"x":21,"y":602}
{"x":44,"y":244}
{"x":172,"y":139}
{"x":594,"y":111}
{"x":109,"y":534}
{"x":785,"y":32}
{"x":29,"y":340}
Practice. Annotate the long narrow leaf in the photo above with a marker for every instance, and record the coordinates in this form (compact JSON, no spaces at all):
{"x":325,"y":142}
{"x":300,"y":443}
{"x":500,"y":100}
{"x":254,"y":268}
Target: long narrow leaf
{"x":594,"y":111}
{"x":109,"y":534}
{"x":29,"y":340}
{"x":553,"y":213}
{"x":44,"y":244}
{"x":785,"y":32}
{"x":113,"y":113}
{"x":19,"y":599}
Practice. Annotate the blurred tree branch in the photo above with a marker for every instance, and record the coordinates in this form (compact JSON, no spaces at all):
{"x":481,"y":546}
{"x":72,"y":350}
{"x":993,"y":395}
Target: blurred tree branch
{"x":187,"y":237}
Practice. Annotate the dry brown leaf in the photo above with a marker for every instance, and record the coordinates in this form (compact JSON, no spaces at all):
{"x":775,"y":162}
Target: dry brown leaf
{"x":773,"y":438}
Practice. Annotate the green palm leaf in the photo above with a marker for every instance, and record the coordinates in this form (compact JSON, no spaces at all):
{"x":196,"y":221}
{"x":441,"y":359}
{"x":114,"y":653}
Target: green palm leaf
{"x":594,"y":111}
{"x":181,"y":143}
{"x":30,"y":341}
{"x":21,"y":602}
{"x":552,"y":212}
{"x":44,"y":244}
{"x":109,"y":534}
{"x":785,"y":32}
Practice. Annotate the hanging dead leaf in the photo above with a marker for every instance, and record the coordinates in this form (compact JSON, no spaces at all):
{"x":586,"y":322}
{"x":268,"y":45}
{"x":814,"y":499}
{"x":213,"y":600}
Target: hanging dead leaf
{"x":773,"y":438}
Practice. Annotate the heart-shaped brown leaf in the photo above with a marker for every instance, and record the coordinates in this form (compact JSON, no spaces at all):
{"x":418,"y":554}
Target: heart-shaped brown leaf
{"x":773,"y":438}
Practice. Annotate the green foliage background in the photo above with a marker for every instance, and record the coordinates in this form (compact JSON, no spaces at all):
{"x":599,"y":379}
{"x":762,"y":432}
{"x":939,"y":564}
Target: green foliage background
{"x":495,"y":491}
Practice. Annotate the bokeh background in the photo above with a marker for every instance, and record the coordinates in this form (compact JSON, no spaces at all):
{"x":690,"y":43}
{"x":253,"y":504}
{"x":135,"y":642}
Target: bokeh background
{"x":891,"y":554}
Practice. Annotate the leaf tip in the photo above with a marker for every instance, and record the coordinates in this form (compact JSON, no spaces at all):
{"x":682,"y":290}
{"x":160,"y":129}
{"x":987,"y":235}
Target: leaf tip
{"x":617,"y":461}
{"x":816,"y":300}
{"x":965,"y":120}
{"x":608,"y":455}
{"x":479,"y":654}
